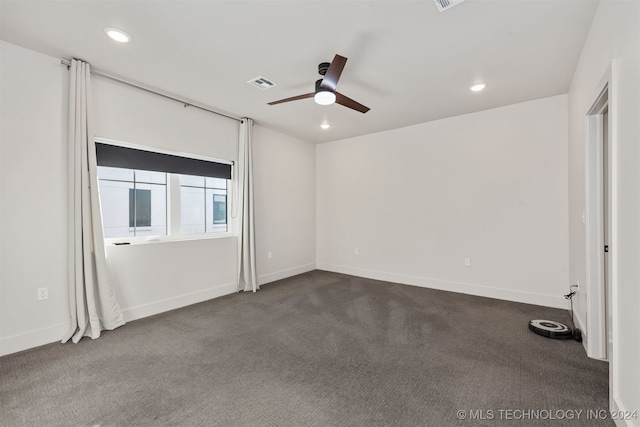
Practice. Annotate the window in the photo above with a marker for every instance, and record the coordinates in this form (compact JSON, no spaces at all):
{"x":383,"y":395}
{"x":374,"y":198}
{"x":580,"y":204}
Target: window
{"x":135,"y":201}
{"x":203,"y":204}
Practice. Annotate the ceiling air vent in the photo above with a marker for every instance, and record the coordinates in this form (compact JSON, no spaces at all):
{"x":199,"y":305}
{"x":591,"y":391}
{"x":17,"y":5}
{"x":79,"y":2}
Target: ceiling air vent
{"x":261,"y":83}
{"x":443,"y":5}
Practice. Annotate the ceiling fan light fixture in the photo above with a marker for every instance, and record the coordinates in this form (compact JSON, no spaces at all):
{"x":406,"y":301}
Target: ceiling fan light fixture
{"x":324,"y":97}
{"x":117,"y":35}
{"x":325,"y":91}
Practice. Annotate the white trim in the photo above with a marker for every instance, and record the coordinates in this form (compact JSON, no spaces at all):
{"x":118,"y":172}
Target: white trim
{"x":283,"y":274}
{"x":28,"y":340}
{"x":168,"y":304}
{"x":143,"y":240}
{"x":594,"y":202}
{"x":614,"y":339}
{"x":621,"y":411}
{"x":596,"y":323}
{"x":446,"y":285}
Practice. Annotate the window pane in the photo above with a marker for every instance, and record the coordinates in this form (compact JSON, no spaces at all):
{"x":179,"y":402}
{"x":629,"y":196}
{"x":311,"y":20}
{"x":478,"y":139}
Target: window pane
{"x":114,"y":198}
{"x":194,"y":181}
{"x":203,"y":209}
{"x":151,"y":177}
{"x":158,"y":220}
{"x":192,"y":209}
{"x":216,"y":183}
{"x":117,"y":174}
{"x":130,"y":208}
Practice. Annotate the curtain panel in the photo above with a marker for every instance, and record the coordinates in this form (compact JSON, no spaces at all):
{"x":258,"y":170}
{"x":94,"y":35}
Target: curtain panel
{"x":247,"y":280}
{"x":92,"y":303}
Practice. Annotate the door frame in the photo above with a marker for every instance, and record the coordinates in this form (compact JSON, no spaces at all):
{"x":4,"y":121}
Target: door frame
{"x":598,"y":305}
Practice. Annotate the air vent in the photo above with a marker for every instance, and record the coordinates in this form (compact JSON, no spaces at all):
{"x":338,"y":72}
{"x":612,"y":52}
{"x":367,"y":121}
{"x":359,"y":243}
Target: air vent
{"x":443,"y":5}
{"x":261,"y":83}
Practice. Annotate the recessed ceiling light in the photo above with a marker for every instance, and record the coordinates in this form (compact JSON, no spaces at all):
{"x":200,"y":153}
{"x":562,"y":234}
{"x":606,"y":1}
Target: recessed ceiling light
{"x":325,"y":125}
{"x":117,"y":35}
{"x":478,"y":87}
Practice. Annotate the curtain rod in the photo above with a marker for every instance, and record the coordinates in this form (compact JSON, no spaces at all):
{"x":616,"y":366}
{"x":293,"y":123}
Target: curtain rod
{"x":156,"y":91}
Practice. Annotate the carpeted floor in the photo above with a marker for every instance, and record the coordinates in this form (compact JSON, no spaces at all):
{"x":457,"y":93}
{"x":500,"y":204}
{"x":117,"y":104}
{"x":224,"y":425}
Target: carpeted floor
{"x":319,"y":349}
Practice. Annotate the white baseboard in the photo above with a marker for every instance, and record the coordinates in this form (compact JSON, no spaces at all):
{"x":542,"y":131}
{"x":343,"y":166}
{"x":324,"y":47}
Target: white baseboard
{"x":37,"y":338}
{"x":283,"y":274}
{"x":464,"y":288}
{"x":16,"y":343}
{"x":20,"y":342}
{"x":25,"y":341}
{"x":624,"y":417}
{"x":157,"y":307}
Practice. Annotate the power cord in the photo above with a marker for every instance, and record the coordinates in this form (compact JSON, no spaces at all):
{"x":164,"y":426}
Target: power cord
{"x":577,"y":333}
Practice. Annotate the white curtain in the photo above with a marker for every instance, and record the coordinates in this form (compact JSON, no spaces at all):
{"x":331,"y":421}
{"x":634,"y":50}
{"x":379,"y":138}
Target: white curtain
{"x":92,"y":303}
{"x":244,"y":204}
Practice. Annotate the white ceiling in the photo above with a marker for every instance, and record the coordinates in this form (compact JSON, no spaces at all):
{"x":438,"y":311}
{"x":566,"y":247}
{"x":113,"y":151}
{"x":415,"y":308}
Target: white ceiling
{"x":407,"y":62}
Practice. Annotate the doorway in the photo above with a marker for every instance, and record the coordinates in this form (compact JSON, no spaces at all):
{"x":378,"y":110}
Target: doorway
{"x":599,"y":231}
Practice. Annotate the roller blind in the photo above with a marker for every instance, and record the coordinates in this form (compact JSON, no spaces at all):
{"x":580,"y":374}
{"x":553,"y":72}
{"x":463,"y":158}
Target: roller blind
{"x":131,"y":158}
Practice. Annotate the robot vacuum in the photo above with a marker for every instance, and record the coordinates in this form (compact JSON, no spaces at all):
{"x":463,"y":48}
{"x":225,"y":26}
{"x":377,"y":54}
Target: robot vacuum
{"x":551,"y":329}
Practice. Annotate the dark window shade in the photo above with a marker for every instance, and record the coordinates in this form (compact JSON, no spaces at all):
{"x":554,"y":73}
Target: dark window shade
{"x":130,"y":158}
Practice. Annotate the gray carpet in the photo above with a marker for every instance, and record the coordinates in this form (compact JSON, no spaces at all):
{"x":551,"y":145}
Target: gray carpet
{"x":319,"y":349}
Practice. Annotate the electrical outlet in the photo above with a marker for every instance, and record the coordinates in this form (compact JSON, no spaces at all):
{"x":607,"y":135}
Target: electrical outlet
{"x":467,"y":262}
{"x":356,"y":251}
{"x":43,"y":294}
{"x":269,"y":255}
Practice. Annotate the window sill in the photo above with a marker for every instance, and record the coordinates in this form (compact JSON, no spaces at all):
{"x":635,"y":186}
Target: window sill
{"x":127,"y":241}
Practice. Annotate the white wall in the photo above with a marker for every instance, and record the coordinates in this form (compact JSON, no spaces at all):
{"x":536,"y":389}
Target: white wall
{"x":160,"y":276}
{"x":33,"y":244}
{"x":614,"y":34}
{"x":284,"y":180}
{"x":156,"y":277}
{"x":147,"y":278}
{"x":127,"y":114}
{"x":417,"y":201}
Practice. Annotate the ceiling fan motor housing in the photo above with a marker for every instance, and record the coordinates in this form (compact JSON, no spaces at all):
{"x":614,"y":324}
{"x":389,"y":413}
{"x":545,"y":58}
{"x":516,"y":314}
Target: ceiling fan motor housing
{"x":323,"y":67}
{"x":320,"y":89}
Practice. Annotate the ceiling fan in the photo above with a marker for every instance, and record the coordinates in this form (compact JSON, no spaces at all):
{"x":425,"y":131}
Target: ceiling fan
{"x":325,"y":93}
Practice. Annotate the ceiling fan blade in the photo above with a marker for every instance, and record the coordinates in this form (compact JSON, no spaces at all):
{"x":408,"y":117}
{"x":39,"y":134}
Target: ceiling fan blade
{"x":293,"y":98}
{"x":331,"y":77}
{"x":350,"y":103}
